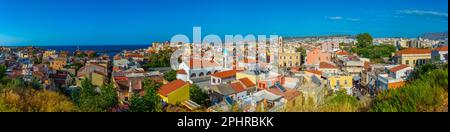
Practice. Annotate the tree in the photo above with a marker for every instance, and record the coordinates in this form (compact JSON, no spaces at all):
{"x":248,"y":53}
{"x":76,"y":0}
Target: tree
{"x":429,"y":93}
{"x":364,"y":40}
{"x":340,"y":102}
{"x":2,"y":72}
{"x":198,"y":96}
{"x":303,"y":53}
{"x":150,"y":102}
{"x":89,"y":100}
{"x":109,"y":95}
{"x":171,"y":75}
{"x":375,"y":52}
{"x":36,"y":84}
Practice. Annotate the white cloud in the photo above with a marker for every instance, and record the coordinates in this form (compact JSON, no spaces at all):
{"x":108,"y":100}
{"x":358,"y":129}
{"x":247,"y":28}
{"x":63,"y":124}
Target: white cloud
{"x":423,"y":13}
{"x":343,"y":18}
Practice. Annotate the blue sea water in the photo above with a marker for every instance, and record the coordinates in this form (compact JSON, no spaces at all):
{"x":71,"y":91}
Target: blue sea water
{"x":108,"y":49}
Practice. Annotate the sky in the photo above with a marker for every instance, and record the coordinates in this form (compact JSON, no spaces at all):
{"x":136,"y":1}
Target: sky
{"x":104,"y":22}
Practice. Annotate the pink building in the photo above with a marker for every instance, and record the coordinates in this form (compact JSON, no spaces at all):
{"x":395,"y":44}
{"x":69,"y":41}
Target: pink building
{"x":316,"y":56}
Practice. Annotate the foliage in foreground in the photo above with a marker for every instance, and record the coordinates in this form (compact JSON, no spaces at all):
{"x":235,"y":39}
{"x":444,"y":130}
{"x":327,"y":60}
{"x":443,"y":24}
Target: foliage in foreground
{"x":429,"y":93}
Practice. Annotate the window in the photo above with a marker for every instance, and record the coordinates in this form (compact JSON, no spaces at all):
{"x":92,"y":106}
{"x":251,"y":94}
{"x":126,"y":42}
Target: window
{"x":345,"y":82}
{"x":407,"y":62}
{"x":214,"y":80}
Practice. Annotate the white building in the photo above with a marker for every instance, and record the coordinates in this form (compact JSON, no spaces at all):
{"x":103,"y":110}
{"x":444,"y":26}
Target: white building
{"x":440,"y":54}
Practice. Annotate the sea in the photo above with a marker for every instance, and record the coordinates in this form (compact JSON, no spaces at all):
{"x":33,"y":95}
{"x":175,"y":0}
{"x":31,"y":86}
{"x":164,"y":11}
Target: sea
{"x":111,"y":50}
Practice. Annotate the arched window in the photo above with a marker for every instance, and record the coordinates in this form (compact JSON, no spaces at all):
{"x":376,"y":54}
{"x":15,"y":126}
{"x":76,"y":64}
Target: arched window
{"x":193,"y":75}
{"x":209,"y":73}
{"x":201,"y":74}
{"x":216,"y":72}
{"x":214,"y":80}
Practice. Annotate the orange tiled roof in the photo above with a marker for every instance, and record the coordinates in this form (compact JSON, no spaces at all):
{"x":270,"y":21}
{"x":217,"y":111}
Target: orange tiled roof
{"x":247,"y":82}
{"x":225,"y":74}
{"x":326,"y":65}
{"x":342,"y":52}
{"x":237,"y":87}
{"x":170,"y":87}
{"x":315,"y":72}
{"x":367,"y":65}
{"x":413,"y":51}
{"x":206,"y":63}
{"x":442,"y":48}
{"x":181,"y":72}
{"x":398,"y":68}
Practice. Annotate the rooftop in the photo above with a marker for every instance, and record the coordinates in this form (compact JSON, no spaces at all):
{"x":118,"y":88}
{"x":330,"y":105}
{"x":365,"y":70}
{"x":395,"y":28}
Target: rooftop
{"x":413,"y":51}
{"x":326,"y":65}
{"x":170,"y":87}
{"x":247,"y":82}
{"x":442,"y":48}
{"x":398,"y":68}
{"x":225,"y":74}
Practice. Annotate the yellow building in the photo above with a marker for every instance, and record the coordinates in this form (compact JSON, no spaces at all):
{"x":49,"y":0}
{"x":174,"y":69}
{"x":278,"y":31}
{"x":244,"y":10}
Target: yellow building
{"x":97,"y":79}
{"x":49,"y":53}
{"x":288,"y":58}
{"x":97,"y":73}
{"x":413,"y":56}
{"x":338,"y":83}
{"x":58,"y":63}
{"x":175,"y":92}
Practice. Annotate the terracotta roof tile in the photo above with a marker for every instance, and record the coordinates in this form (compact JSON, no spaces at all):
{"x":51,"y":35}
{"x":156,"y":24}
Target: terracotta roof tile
{"x":442,"y":48}
{"x":181,"y":72}
{"x":170,"y":87}
{"x":206,"y":63}
{"x":247,"y":82}
{"x":225,"y":74}
{"x":326,"y":65}
{"x":342,"y":52}
{"x":315,"y":72}
{"x":413,"y":51}
{"x":398,"y":68}
{"x":237,"y":87}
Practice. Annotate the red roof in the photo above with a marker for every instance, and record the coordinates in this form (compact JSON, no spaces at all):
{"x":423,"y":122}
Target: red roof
{"x":398,"y":68}
{"x":315,"y":72}
{"x":168,"y":88}
{"x":181,"y":72}
{"x":206,"y":63}
{"x":225,"y":74}
{"x":342,"y":52}
{"x":367,"y":65}
{"x":237,"y":87}
{"x":120,"y":78}
{"x":247,"y":82}
{"x":288,"y":95}
{"x":442,"y":48}
{"x":326,"y":65}
{"x":413,"y":51}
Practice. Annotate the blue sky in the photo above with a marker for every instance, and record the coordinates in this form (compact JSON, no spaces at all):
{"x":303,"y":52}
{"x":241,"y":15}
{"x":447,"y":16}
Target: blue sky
{"x":94,"y":22}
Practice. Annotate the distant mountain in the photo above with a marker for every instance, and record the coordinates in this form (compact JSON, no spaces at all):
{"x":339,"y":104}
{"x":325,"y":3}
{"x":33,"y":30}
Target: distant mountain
{"x":435,"y":36}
